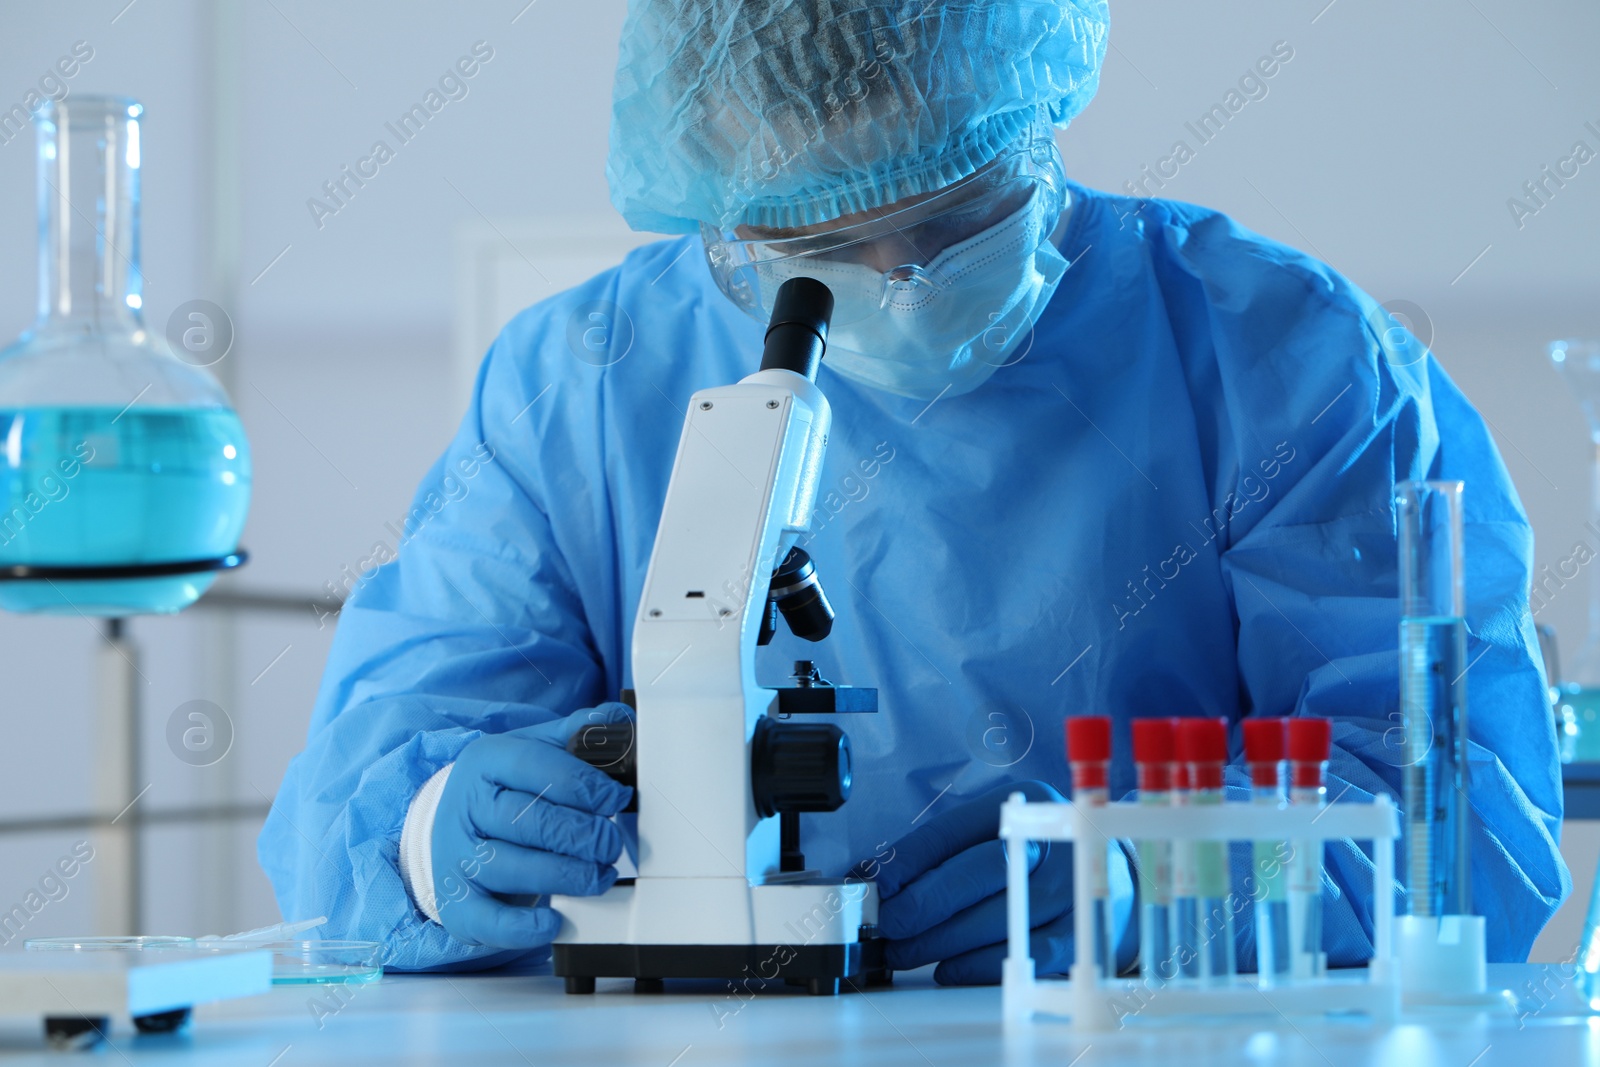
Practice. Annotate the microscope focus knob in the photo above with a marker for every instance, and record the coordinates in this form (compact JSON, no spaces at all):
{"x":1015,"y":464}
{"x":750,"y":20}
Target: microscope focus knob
{"x":797,"y":767}
{"x":608,"y":746}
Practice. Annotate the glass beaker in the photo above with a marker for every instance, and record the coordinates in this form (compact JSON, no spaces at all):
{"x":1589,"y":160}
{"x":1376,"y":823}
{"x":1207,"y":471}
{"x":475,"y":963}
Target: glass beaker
{"x":1578,"y":705}
{"x":126,"y":473}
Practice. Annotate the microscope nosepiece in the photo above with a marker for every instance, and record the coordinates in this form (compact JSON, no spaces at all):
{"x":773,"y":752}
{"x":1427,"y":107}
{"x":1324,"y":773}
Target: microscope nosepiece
{"x":796,"y":592}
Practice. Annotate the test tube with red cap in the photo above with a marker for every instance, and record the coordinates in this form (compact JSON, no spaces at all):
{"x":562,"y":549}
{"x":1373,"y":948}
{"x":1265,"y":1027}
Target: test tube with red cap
{"x":1089,"y":755}
{"x":1266,"y":743}
{"x":1203,"y":908}
{"x":1185,"y":909}
{"x":1152,"y":758}
{"x":1310,"y":740}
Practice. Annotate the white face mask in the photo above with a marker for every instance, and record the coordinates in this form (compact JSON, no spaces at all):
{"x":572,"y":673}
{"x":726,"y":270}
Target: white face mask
{"x":948,"y":331}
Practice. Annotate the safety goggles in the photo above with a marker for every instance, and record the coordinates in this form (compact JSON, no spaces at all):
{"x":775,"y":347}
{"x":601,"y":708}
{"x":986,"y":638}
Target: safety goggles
{"x":902,"y":248}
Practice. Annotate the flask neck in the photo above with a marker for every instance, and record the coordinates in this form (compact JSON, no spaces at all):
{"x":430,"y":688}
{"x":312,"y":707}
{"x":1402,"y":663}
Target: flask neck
{"x":89,"y":274}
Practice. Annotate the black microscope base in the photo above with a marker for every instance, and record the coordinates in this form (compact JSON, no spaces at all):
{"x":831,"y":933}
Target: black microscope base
{"x":819,"y":968}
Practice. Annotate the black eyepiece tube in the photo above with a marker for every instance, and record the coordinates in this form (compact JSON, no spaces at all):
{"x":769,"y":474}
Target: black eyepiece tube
{"x":797,"y":336}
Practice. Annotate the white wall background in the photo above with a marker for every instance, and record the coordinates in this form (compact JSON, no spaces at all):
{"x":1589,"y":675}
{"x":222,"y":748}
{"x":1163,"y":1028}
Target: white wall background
{"x":1388,"y":145}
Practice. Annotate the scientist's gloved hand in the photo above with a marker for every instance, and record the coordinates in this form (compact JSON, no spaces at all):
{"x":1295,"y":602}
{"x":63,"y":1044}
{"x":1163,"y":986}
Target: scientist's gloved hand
{"x":520,"y":816}
{"x":942,"y":893}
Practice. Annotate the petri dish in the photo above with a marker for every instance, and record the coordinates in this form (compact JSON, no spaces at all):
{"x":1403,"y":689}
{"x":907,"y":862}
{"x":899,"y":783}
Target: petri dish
{"x":293,"y":962}
{"x":103,"y":944}
{"x":323,"y":962}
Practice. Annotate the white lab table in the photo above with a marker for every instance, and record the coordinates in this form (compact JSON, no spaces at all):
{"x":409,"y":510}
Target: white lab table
{"x":482,"y":1020}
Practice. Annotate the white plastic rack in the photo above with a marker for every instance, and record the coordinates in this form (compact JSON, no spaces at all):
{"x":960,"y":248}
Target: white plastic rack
{"x":1095,"y":1002}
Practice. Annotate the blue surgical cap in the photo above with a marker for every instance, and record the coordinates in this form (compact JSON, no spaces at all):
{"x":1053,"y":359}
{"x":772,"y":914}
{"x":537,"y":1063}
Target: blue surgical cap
{"x":789,"y":113}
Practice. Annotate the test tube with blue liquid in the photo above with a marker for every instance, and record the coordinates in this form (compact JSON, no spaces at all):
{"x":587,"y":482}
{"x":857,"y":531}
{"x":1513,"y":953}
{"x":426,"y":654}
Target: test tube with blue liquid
{"x":1310,"y":741}
{"x":1089,"y":755}
{"x":1185,"y":906}
{"x":1433,"y":697}
{"x":1265,"y":746}
{"x":1204,"y":914}
{"x":1152,"y":757}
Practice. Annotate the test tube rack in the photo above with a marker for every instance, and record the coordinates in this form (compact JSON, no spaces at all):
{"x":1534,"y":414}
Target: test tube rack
{"x":1096,"y":1002}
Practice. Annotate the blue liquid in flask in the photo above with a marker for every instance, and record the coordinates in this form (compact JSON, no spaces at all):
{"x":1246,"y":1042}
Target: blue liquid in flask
{"x":98,"y":486}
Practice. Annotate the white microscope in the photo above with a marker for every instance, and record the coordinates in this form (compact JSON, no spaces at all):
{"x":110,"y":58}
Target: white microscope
{"x":721,"y":772}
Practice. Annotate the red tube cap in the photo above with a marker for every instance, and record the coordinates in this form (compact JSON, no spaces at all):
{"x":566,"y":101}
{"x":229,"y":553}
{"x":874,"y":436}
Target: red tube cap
{"x":1152,"y":741}
{"x":1203,"y":740}
{"x":1265,"y":740}
{"x":1310,"y":740}
{"x":1089,"y":738}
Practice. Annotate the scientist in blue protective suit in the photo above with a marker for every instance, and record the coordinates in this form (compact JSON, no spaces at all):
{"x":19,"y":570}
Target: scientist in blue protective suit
{"x":1090,"y":454}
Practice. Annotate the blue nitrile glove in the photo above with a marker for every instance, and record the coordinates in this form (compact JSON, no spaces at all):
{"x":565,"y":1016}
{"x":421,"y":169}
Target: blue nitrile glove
{"x":942,"y":894}
{"x":520,"y":816}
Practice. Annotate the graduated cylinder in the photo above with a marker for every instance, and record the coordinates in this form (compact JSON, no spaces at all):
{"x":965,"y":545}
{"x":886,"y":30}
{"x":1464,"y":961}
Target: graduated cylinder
{"x":1433,"y":698}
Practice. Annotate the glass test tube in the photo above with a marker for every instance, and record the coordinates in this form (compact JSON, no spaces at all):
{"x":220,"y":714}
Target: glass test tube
{"x":1433,"y":698}
{"x":1207,"y":936}
{"x":1265,"y":746}
{"x":1185,"y":964}
{"x":1152,"y":756}
{"x":1309,"y":745}
{"x":1089,"y":756}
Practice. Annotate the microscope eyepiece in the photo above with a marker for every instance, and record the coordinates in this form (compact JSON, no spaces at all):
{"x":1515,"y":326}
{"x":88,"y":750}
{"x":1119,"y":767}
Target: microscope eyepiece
{"x":797,"y":335}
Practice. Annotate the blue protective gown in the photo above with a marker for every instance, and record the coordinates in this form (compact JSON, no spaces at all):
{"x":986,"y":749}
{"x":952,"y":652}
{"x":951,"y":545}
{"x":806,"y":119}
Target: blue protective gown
{"x":1179,"y":501}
